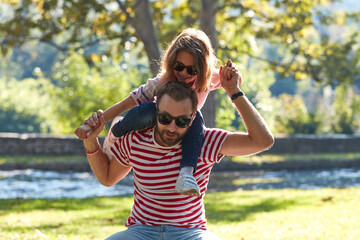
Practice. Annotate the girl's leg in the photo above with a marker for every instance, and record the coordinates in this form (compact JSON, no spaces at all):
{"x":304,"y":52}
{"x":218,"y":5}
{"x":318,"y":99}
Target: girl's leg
{"x":191,"y":147}
{"x":137,"y":118}
{"x":192,"y":142}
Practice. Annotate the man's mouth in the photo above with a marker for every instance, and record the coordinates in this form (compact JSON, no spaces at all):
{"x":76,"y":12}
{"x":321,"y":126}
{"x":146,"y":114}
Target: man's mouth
{"x":170,"y":134}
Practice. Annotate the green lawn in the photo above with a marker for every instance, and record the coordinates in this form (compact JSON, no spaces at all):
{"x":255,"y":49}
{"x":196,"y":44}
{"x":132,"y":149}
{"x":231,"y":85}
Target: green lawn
{"x":261,"y":214}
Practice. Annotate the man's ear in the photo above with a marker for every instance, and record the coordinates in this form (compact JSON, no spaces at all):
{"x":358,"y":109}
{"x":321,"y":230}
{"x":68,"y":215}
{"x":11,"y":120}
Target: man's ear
{"x":192,"y":119}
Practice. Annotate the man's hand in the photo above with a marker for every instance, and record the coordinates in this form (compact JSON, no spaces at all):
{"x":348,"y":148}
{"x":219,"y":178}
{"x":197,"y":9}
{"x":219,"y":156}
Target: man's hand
{"x":83,"y":131}
{"x":230,"y":64}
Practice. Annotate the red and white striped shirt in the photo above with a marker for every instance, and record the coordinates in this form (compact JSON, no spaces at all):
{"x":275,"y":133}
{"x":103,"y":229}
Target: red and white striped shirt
{"x":155,"y":170}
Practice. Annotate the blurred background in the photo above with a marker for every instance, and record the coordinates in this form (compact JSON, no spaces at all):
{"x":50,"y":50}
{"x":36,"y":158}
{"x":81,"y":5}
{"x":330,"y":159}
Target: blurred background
{"x":61,"y":60}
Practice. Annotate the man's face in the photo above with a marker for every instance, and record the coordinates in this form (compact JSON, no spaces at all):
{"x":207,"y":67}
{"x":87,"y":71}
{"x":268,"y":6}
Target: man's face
{"x":171,"y":134}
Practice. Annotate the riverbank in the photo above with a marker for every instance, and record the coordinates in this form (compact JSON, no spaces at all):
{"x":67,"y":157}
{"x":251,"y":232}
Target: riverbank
{"x":295,"y":162}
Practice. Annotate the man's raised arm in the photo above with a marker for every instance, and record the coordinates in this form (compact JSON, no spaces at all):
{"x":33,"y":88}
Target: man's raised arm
{"x":258,"y":136}
{"x":107,"y":172}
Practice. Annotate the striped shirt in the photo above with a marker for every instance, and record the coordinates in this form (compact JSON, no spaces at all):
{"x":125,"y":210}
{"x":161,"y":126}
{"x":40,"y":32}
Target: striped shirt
{"x":155,"y":170}
{"x":148,"y":91}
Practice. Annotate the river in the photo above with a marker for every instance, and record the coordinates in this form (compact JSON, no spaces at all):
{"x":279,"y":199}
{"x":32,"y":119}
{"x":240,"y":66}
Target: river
{"x":32,"y":183}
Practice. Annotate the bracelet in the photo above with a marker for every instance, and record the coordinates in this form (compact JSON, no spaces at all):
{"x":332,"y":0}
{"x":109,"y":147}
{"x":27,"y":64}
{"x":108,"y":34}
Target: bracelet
{"x":235,"y":95}
{"x":93,"y":153}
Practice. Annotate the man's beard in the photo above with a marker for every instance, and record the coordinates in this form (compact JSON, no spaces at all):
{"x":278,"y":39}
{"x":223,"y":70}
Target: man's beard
{"x":167,"y":141}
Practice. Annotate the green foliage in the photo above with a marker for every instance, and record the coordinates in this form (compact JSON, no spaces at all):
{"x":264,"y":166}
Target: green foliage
{"x":308,"y":34}
{"x":300,"y":28}
{"x":24,"y":106}
{"x":81,"y":90}
{"x":256,"y":86}
{"x":346,"y":116}
{"x":294,"y":117}
{"x":303,"y":40}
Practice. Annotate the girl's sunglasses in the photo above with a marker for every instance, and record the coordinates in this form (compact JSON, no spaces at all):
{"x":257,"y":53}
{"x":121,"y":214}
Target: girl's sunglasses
{"x":178,"y":66}
{"x":181,"y":122}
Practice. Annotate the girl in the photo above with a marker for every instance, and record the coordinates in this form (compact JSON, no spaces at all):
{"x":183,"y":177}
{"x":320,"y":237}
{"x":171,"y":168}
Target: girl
{"x":189,"y":58}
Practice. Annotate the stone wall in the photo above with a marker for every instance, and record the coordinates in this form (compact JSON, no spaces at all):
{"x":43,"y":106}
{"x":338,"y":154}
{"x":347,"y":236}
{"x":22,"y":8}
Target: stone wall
{"x":45,"y":144}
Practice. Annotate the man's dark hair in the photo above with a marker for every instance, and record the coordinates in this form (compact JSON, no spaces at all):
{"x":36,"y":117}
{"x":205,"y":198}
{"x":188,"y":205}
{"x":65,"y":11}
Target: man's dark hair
{"x":178,"y":91}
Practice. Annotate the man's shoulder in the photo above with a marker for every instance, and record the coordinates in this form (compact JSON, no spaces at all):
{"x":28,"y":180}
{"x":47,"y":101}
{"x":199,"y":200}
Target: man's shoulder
{"x":214,"y":135}
{"x":214,"y":131}
{"x":144,"y":135}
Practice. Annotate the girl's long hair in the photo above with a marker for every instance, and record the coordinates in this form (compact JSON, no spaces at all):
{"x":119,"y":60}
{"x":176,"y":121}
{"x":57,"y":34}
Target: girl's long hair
{"x":198,"y":44}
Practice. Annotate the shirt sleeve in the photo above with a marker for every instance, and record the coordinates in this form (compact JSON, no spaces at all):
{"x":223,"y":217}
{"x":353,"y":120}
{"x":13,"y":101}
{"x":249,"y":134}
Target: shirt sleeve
{"x":147,"y":92}
{"x":121,"y":149}
{"x":212,"y":143}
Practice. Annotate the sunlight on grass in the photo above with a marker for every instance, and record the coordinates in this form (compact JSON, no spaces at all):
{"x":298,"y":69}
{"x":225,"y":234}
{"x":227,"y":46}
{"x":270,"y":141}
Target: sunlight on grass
{"x":244,"y":181}
{"x":261,"y":214}
{"x":42,"y":159}
{"x":296,"y":157}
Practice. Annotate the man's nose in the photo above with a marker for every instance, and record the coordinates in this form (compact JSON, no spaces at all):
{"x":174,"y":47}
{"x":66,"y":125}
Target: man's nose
{"x":172,"y":126}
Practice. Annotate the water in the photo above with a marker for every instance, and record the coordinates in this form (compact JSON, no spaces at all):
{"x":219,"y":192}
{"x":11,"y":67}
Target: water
{"x":31,"y":183}
{"x":309,"y":179}
{"x":51,"y":184}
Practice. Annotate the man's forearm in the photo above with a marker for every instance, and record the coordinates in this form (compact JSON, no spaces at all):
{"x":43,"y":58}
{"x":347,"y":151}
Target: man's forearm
{"x":254,"y":122}
{"x":98,"y":160}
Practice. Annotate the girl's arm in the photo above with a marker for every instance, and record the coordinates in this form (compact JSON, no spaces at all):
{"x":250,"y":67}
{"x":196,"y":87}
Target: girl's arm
{"x":118,"y":108}
{"x":145,"y":93}
{"x":84,"y":130}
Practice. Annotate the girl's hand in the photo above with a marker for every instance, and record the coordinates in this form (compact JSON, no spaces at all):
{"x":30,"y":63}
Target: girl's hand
{"x":85,"y":130}
{"x":93,"y":120}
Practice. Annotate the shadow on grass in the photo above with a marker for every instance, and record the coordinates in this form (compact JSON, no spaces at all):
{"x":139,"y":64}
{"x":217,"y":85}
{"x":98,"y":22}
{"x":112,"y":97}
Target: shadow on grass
{"x":220,"y":207}
{"x":233,"y":209}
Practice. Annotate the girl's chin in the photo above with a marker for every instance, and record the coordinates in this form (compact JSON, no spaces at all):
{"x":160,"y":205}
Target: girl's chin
{"x":185,"y":79}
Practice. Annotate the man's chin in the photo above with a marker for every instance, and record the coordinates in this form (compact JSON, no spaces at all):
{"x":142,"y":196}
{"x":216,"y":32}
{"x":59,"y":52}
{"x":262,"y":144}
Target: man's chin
{"x":170,"y":142}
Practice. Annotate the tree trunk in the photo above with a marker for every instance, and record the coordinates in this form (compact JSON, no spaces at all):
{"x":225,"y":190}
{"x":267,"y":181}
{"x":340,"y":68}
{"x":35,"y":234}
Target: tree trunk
{"x":143,"y":24}
{"x":207,"y":24}
{"x":148,"y":34}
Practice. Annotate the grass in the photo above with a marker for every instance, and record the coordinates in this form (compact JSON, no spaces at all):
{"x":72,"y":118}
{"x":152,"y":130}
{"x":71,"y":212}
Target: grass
{"x":42,"y":159}
{"x":245,"y":215}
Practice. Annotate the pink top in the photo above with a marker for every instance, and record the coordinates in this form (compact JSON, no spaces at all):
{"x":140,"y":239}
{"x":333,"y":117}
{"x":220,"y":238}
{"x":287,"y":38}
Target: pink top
{"x":147,"y":92}
{"x":155,"y":170}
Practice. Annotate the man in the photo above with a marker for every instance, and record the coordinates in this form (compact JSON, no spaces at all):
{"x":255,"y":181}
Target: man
{"x":154,"y":154}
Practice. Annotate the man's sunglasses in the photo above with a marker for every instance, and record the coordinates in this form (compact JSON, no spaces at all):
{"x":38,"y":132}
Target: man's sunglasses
{"x":181,"y":122}
{"x":178,"y":66}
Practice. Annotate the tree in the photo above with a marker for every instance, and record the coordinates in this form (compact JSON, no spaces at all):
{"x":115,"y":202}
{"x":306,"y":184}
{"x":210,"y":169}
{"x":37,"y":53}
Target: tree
{"x":236,"y":28}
